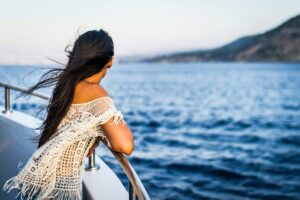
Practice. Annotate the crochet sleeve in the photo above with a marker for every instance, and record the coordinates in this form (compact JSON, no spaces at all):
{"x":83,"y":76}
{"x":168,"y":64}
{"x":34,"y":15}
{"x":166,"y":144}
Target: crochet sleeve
{"x":106,"y":109}
{"x":103,"y":111}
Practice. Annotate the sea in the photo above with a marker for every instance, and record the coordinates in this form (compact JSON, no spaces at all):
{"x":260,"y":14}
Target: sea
{"x":215,"y":131}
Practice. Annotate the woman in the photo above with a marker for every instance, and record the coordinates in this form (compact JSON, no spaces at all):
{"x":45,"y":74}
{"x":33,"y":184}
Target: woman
{"x":80,"y":114}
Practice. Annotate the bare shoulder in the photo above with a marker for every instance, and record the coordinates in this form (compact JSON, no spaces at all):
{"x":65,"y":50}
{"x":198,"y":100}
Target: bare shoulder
{"x":89,"y":93}
{"x":98,"y":91}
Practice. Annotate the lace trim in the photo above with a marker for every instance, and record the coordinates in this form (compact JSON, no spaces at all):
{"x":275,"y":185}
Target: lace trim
{"x":79,"y":104}
{"x":118,"y":118}
{"x":32,"y":191}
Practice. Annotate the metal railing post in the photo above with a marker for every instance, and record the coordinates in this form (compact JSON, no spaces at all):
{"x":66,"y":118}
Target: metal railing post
{"x":8,"y":87}
{"x":7,"y":100}
{"x":92,"y":165}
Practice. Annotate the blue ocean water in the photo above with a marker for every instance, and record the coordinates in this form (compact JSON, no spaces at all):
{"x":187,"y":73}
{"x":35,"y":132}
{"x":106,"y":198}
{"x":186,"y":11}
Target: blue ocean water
{"x":203,"y":130}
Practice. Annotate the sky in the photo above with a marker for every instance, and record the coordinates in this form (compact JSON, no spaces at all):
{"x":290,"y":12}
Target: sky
{"x":32,"y":30}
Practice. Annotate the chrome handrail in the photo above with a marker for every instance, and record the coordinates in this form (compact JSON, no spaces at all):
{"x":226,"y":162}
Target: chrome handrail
{"x":136,"y":188}
{"x":7,"y":88}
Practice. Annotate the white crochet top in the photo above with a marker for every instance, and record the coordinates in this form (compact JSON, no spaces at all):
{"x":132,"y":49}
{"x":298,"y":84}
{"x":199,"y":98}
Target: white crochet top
{"x":55,"y":169}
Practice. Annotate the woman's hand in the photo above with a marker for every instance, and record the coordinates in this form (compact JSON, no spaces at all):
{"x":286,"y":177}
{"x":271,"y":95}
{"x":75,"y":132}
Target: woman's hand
{"x":96,"y":143}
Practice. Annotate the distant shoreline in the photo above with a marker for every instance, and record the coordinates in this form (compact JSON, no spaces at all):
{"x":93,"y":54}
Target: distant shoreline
{"x":278,"y":44}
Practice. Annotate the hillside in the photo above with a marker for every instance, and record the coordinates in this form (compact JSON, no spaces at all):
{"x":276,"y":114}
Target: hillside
{"x":279,"y":44}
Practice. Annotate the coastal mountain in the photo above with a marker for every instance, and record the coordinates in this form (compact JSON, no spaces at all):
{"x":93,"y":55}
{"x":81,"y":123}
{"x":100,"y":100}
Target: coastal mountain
{"x":279,"y":44}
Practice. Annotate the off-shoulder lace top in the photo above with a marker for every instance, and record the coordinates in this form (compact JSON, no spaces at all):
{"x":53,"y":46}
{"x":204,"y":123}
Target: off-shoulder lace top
{"x":55,"y":169}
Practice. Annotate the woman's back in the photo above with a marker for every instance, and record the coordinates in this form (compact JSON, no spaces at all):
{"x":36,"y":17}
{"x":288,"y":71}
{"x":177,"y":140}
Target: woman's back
{"x":56,"y":167}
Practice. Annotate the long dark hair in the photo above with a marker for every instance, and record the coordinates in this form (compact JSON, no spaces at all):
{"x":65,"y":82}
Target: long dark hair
{"x":92,"y":50}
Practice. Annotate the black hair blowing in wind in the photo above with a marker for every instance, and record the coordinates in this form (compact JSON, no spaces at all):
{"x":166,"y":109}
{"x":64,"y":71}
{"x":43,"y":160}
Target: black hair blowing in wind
{"x":91,"y":51}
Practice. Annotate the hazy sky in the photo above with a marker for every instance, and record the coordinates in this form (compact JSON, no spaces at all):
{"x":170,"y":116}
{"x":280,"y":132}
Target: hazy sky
{"x":31,"y":30}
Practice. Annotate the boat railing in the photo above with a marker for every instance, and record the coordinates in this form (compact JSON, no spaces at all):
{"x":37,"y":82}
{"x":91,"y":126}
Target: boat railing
{"x":136,"y":188}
